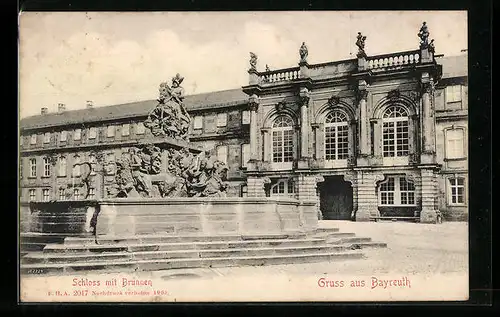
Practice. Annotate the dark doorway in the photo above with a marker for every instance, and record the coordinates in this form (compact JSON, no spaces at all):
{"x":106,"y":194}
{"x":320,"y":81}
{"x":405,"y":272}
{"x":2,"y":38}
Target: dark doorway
{"x":336,"y":198}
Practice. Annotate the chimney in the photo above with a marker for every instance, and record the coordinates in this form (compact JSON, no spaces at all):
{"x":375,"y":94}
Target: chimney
{"x":90,"y":104}
{"x":61,"y":107}
{"x":44,"y":110}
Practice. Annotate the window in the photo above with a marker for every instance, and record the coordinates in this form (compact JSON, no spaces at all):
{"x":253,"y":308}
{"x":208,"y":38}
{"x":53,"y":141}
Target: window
{"x":64,"y":136}
{"x":46,"y":167}
{"x":245,"y":117}
{"x":46,"y":137}
{"x":198,"y":122}
{"x":63,"y":166}
{"x":92,"y":133}
{"x":111,"y":131}
{"x":93,"y":162}
{"x":62,"y":194}
{"x":336,"y":136}
{"x":33,"y":167}
{"x":125,"y":129}
{"x":397,"y":191}
{"x":283,"y":139}
{"x":455,"y":143}
{"x":45,"y":194}
{"x":76,"y":168}
{"x":32,"y":194}
{"x":395,"y":132}
{"x":91,"y":193}
{"x":33,"y":139}
{"x":77,"y":135}
{"x":221,"y":119}
{"x":244,"y":191}
{"x":140,"y":128}
{"x":222,"y":153}
{"x":76,"y":194}
{"x":454,"y":93}
{"x":456,"y":195}
{"x":245,"y":154}
{"x":283,"y":187}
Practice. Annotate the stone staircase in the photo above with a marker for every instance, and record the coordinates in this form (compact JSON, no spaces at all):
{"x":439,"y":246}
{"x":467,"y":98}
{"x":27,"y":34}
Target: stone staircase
{"x":52,"y":254}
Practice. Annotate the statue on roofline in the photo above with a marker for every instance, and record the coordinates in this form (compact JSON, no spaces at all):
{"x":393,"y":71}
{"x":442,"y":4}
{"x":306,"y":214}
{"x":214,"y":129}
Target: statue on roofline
{"x":253,"y":61}
{"x":360,"y":43}
{"x":303,"y":52}
{"x":423,"y":34}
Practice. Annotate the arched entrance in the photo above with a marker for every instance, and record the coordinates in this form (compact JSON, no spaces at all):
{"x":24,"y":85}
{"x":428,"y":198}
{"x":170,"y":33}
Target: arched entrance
{"x":336,"y":198}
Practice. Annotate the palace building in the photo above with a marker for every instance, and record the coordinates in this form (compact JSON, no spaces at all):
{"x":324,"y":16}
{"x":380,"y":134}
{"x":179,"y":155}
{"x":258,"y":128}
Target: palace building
{"x":367,"y":138}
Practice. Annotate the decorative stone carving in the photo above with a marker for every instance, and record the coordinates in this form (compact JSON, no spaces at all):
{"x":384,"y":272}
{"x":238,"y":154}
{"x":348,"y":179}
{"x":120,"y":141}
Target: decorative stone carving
{"x":319,"y":179}
{"x":351,"y":178}
{"x":304,"y":96}
{"x":253,"y":61}
{"x":428,"y":87}
{"x":253,"y":102}
{"x":267,"y":68}
{"x":361,"y":94}
{"x":333,"y":101}
{"x":423,"y":34}
{"x":415,"y":96}
{"x":360,"y":43}
{"x":303,"y":52}
{"x":378,"y":178}
{"x":170,"y":117}
{"x":280,"y":106}
{"x":432,"y":48}
{"x":393,"y":95}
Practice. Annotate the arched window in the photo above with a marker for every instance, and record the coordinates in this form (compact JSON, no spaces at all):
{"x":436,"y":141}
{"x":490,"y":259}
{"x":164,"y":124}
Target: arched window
{"x":336,"y":136}
{"x":62,"y":166}
{"x":395,"y":132}
{"x":283,"y":139}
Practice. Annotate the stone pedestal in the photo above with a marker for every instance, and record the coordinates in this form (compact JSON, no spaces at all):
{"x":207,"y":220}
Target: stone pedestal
{"x":429,"y":196}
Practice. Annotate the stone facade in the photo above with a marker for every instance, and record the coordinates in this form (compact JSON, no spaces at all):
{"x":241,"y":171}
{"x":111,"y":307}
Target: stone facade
{"x":335,"y":141}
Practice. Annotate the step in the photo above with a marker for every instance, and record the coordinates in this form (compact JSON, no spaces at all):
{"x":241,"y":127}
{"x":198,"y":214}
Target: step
{"x":135,"y":247}
{"x":347,"y":240}
{"x":179,"y":254}
{"x":332,"y":235}
{"x":31,"y":246}
{"x":118,"y":241}
{"x":154,"y":265}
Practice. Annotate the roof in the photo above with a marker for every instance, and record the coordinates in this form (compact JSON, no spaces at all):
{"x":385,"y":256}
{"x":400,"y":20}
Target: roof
{"x":209,"y":100}
{"x":453,"y":66}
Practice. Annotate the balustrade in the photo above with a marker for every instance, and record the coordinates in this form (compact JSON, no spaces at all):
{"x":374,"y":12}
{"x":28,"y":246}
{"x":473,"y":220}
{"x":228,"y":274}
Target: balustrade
{"x":280,"y":75}
{"x":400,"y":59}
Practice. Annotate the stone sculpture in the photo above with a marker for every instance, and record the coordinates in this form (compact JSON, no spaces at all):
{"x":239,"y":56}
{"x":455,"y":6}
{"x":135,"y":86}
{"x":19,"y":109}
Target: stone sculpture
{"x":253,"y":61}
{"x":360,"y":43}
{"x":423,"y":34}
{"x":432,"y":49}
{"x":170,"y":117}
{"x":303,"y":52}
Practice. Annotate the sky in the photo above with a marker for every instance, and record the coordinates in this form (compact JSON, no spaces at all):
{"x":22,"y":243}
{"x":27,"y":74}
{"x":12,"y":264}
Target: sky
{"x":117,"y":57}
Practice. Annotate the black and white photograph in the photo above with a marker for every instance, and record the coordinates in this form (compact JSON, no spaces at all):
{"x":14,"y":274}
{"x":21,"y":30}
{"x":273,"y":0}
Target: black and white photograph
{"x":243,"y":156}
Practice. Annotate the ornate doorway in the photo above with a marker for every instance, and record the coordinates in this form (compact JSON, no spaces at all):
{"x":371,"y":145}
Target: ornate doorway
{"x":336,"y":198}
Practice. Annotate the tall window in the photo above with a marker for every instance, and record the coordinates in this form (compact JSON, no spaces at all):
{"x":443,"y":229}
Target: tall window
{"x":125,"y":129}
{"x":244,"y":191}
{"x":198,"y":122}
{"x":64,"y":136}
{"x":222,"y":153}
{"x":397,"y":191}
{"x":245,"y":154}
{"x":33,"y":139}
{"x":283,"y":187}
{"x":221,"y":119}
{"x":76,"y":168}
{"x":110,"y":163}
{"x":77,"y":134}
{"x":33,"y":167}
{"x":140,"y":128}
{"x":62,"y":194}
{"x":93,"y":162}
{"x":91,"y":193}
{"x":32,"y":194}
{"x":111,"y":131}
{"x":336,"y":136}
{"x":395,"y":132}
{"x":454,"y":93}
{"x":63,"y":166}
{"x":283,"y":139}
{"x":46,"y":137}
{"x":456,"y":195}
{"x":46,"y":167}
{"x":76,"y":194}
{"x":92,"y":133}
{"x":455,"y":143}
{"x":245,"y":117}
{"x":45,"y":194}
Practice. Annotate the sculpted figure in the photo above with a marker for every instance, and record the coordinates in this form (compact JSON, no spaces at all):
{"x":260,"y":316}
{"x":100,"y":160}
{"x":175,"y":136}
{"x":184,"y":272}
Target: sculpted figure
{"x":303,"y":52}
{"x":141,"y":181}
{"x":360,"y":43}
{"x":432,"y":49}
{"x":424,"y":35}
{"x":253,"y":61}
